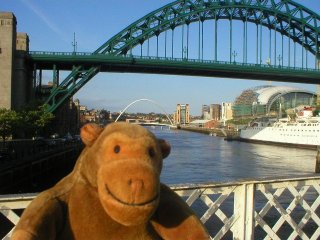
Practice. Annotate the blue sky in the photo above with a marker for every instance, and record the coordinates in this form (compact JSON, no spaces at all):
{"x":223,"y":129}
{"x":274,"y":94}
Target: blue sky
{"x":51,"y":25}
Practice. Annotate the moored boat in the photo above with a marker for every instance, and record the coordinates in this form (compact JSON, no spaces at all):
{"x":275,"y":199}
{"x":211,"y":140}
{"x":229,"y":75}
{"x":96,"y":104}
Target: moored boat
{"x":302,"y":131}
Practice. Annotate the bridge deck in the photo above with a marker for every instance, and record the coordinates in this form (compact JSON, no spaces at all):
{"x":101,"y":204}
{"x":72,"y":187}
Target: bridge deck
{"x":175,"y":66}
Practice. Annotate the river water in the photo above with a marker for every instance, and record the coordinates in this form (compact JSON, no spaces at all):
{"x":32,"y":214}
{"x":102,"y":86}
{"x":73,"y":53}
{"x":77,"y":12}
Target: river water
{"x":200,"y":158}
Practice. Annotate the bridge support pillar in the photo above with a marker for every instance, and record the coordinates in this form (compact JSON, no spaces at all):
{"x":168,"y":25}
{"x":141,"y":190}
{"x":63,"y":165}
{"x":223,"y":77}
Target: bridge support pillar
{"x":7,"y":48}
{"x":15,"y":88}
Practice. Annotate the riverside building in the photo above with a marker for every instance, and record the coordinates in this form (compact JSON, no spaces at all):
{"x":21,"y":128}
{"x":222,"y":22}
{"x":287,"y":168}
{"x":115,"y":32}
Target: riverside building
{"x":275,"y":101}
{"x":182,"y":114}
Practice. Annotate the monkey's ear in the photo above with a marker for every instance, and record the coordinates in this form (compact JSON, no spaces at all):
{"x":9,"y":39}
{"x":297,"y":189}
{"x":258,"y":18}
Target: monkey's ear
{"x":89,"y":133}
{"x":165,"y":148}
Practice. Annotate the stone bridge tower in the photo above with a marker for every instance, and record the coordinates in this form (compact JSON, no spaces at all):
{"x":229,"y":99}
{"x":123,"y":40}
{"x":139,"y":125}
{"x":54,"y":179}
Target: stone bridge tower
{"x":16,"y":87}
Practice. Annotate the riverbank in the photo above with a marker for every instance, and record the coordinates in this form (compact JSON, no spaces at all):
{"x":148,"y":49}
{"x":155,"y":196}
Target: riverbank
{"x":232,"y":135}
{"x":217,"y":132}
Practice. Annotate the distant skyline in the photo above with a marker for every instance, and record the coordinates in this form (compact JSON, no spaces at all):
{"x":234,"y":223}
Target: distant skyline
{"x":51,"y":26}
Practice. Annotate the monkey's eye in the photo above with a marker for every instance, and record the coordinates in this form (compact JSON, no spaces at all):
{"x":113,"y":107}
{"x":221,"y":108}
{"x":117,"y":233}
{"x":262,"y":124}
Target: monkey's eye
{"x":151,"y":152}
{"x":116,"y":149}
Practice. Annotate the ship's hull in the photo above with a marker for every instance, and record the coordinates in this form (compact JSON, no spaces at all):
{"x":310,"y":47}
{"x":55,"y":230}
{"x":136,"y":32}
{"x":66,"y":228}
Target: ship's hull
{"x":292,"y":136}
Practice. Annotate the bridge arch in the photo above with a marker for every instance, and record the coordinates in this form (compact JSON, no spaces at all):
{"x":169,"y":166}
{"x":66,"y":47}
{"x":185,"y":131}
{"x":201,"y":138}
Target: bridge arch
{"x":147,"y":100}
{"x":286,"y":17}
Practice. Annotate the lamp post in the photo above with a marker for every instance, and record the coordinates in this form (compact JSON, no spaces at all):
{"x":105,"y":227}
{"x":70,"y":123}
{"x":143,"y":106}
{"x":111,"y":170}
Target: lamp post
{"x":279,"y":59}
{"x":74,"y":43}
{"x":234,"y":54}
{"x":185,"y":53}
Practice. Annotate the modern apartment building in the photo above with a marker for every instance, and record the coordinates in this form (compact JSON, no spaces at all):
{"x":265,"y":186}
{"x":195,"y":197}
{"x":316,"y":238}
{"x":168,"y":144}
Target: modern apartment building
{"x":226,"y":111}
{"x":215,"y":111}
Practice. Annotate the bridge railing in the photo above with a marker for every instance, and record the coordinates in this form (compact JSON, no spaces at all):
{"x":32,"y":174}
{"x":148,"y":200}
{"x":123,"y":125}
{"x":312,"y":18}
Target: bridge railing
{"x":268,"y":66}
{"x":265,"y":209}
{"x":60,"y":53}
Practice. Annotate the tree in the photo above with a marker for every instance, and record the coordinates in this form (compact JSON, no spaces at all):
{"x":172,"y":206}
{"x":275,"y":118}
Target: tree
{"x":9,"y":119}
{"x":35,"y":120}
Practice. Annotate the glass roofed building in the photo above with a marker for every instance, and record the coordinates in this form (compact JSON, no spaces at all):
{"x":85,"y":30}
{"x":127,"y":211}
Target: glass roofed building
{"x":271,"y":101}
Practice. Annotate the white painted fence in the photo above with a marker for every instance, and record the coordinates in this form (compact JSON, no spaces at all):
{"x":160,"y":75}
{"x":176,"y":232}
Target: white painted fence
{"x":265,"y":209}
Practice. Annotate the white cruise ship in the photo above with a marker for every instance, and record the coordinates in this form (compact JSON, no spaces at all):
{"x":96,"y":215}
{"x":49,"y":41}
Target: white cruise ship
{"x":303,"y":131}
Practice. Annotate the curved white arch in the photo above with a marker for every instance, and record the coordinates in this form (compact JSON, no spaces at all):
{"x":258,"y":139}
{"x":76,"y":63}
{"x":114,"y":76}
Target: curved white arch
{"x":148,"y":100}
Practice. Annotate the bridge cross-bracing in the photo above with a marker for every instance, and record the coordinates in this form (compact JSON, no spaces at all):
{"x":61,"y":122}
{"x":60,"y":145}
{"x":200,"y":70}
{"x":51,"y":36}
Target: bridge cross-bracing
{"x":267,"y":39}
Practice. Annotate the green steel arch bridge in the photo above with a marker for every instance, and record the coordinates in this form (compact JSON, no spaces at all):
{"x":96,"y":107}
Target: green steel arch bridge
{"x":274,"y":40}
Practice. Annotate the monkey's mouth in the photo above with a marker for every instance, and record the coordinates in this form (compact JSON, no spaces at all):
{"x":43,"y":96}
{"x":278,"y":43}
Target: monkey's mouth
{"x":152,"y":201}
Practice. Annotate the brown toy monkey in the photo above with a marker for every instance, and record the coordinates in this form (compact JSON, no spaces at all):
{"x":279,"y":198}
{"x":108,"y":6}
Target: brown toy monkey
{"x":114,"y":192}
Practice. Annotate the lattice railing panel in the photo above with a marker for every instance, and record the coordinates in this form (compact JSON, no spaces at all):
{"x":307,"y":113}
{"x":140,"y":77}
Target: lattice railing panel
{"x":11,"y":207}
{"x":215,"y":208}
{"x":268,"y":209}
{"x":290,"y":210}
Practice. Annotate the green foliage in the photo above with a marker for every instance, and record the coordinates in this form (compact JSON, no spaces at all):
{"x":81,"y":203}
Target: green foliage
{"x":9,"y":120}
{"x":240,"y":121}
{"x":30,"y":121}
{"x":35,"y":120}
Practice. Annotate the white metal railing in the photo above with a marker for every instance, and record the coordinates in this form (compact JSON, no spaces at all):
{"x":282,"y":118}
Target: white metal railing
{"x":259,"y":209}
